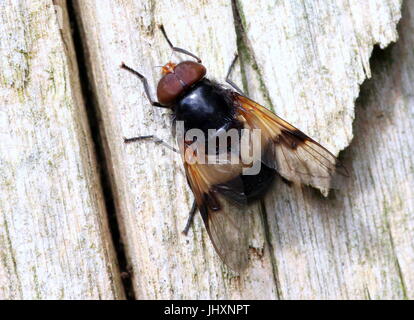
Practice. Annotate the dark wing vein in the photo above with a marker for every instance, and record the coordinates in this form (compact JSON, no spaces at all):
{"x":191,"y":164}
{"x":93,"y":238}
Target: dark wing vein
{"x":293,"y":154}
{"x":227,"y":223}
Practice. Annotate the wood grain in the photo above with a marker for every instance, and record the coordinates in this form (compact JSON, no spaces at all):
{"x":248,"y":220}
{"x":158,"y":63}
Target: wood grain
{"x":343,"y":247}
{"x":54,"y":238}
{"x":305,"y":60}
{"x":151,"y":194}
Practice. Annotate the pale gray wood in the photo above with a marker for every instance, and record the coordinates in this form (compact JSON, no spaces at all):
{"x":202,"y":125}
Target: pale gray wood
{"x":151,"y":194}
{"x":342,"y":247}
{"x":311,"y":56}
{"x":54,"y":237}
{"x":306,"y":60}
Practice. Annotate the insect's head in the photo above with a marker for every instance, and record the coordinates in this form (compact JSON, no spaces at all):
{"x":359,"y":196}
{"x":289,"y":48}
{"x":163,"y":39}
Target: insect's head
{"x":168,"y":68}
{"x":177,"y":78}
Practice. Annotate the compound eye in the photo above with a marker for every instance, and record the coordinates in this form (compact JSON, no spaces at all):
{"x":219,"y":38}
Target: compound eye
{"x":169,"y":89}
{"x":190,"y":72}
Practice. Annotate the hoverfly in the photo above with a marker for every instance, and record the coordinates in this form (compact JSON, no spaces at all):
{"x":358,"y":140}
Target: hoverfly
{"x":221,"y":191}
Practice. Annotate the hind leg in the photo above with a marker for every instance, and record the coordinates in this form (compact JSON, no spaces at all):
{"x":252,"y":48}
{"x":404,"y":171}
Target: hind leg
{"x":190,"y":218}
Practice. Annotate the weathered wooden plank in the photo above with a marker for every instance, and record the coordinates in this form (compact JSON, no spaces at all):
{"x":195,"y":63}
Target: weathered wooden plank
{"x":54,"y":238}
{"x":152,"y":198}
{"x":344,"y":246}
{"x":280,"y":60}
{"x":311,"y":57}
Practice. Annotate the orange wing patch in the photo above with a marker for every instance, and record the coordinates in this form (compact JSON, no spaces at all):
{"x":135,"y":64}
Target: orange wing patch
{"x":296,"y":157}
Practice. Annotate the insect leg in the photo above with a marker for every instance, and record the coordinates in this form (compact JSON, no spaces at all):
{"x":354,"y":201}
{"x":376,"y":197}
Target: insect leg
{"x":150,"y":138}
{"x":183,"y":51}
{"x":190,"y":218}
{"x":228,"y":80}
{"x":146,"y":86}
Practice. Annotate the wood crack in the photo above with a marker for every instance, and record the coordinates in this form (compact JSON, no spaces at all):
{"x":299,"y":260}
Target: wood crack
{"x":98,"y":138}
{"x":247,"y":56}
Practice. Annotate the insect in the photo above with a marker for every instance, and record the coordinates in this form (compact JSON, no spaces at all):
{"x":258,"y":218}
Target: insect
{"x":221,"y":190}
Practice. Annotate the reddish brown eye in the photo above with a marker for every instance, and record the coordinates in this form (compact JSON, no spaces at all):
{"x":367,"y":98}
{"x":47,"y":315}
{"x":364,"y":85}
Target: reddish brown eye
{"x":169,"y":88}
{"x":177,"y":79}
{"x":190,"y":72}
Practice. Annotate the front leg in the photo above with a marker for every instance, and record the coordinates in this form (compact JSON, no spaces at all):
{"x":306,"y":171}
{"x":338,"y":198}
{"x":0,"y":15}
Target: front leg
{"x":146,"y":86}
{"x":152,"y":138}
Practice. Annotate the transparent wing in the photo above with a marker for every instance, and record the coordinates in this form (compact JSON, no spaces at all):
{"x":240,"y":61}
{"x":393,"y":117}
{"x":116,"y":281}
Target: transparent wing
{"x":288,"y":150}
{"x":228,"y":228}
{"x":220,"y":197}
